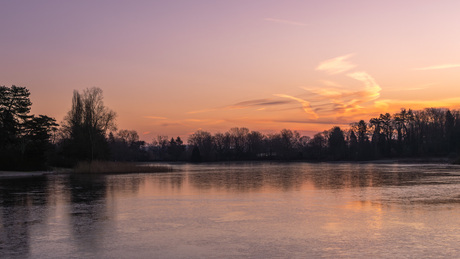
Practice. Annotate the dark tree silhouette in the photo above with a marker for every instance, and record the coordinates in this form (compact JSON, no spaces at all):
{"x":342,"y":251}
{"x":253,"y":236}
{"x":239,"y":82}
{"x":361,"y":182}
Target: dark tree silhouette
{"x":86,"y":125}
{"x":126,"y":146}
{"x":196,"y":156}
{"x":24,"y":138}
{"x":203,"y":140}
{"x":336,"y":144}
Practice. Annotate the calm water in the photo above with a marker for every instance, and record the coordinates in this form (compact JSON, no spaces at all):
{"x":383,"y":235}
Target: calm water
{"x":255,"y":210}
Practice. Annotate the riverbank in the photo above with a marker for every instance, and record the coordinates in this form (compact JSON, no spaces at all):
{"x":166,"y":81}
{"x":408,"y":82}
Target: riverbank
{"x":19,"y":174}
{"x":126,"y":168}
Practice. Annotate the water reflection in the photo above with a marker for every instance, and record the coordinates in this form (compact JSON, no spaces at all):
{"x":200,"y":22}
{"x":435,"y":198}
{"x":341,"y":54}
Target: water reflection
{"x":287,"y":177}
{"x":22,"y":203}
{"x":89,"y":209}
{"x":93,"y":199}
{"x":213,"y":210}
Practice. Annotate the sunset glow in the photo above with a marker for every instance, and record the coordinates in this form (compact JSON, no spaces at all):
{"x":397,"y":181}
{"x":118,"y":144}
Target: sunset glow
{"x":173,"y":67}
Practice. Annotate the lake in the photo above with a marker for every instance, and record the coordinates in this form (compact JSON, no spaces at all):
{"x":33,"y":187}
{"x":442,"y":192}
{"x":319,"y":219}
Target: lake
{"x":237,"y":210}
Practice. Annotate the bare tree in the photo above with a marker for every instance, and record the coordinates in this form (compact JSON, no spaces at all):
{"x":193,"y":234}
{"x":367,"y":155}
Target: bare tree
{"x":86,"y":125}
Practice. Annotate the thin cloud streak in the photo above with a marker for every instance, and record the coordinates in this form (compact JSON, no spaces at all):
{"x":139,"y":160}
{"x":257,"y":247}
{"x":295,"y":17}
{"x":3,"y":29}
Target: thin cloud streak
{"x":327,"y":122}
{"x":336,"y":65}
{"x":305,"y":104}
{"x":285,"y":22}
{"x":258,"y":102}
{"x":437,"y":67}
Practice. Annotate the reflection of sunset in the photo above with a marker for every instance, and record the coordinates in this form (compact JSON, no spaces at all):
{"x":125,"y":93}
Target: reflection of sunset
{"x":375,"y":209}
{"x":225,"y":210}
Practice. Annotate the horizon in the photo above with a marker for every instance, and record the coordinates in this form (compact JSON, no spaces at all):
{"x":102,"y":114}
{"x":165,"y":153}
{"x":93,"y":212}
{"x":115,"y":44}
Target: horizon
{"x":172,"y":68}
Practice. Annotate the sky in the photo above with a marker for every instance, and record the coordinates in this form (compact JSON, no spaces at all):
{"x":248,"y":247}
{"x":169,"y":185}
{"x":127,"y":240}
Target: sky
{"x":174,"y":67}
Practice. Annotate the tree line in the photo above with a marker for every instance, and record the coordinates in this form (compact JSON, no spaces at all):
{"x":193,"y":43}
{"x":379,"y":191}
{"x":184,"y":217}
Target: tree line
{"x":88,"y":132}
{"x":430,"y":132}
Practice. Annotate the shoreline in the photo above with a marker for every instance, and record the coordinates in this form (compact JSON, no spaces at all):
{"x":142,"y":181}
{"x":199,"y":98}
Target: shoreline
{"x":22,"y":174}
{"x":25,"y":174}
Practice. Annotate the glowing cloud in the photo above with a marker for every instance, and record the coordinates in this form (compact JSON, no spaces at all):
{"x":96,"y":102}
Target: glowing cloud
{"x":285,"y":22}
{"x":333,"y":100}
{"x":372,"y":89}
{"x":305,"y":104}
{"x":336,"y":65}
{"x":258,"y":102}
{"x":445,"y":66}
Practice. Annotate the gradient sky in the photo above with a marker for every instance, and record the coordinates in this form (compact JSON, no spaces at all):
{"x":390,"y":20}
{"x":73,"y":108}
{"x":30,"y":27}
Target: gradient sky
{"x":173,"y":67}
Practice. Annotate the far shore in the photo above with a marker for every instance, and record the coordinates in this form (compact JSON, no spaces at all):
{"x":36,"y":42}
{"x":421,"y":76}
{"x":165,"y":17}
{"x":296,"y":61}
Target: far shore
{"x":22,"y":174}
{"x":431,"y":160}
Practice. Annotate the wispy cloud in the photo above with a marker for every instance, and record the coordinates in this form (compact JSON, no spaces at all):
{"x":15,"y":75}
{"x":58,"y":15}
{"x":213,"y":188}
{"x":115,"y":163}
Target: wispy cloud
{"x":372,"y":89}
{"x":305,"y":104}
{"x":327,"y":122}
{"x":155,"y":117}
{"x":336,"y":65}
{"x":436,"y":67}
{"x":286,"y":22}
{"x":258,"y":102}
{"x":333,"y":100}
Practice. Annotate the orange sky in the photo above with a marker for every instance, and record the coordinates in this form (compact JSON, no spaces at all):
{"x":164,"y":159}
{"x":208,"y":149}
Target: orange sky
{"x":173,"y":67}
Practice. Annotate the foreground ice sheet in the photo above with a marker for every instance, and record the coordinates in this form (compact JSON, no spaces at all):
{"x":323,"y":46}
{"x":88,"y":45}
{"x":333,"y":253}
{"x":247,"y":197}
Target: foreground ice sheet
{"x":255,"y":210}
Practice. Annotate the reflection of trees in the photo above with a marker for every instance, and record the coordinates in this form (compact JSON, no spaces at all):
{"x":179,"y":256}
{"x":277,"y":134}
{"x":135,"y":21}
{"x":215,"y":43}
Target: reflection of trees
{"x":88,"y":208}
{"x":252,"y":178}
{"x":127,"y":183}
{"x":336,"y":176}
{"x":293,"y":176}
{"x":23,"y":204}
{"x":90,"y":212}
{"x":171,"y":181}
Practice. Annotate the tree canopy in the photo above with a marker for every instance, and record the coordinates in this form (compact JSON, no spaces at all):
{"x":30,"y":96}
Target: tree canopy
{"x":24,"y":138}
{"x":85,"y":126}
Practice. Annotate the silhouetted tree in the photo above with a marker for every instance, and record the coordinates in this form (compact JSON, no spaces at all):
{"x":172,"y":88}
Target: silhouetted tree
{"x":175,"y":149}
{"x":255,"y":144}
{"x":203,"y":140}
{"x":336,"y":144}
{"x":126,"y":146}
{"x":238,"y":141}
{"x":196,"y":156}
{"x":353,"y":146}
{"x":222,"y":142}
{"x":317,"y":146}
{"x":85,"y":126}
{"x":24,"y":138}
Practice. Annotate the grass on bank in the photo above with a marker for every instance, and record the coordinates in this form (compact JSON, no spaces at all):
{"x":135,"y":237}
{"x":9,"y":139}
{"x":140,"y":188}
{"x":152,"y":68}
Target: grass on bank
{"x":108,"y":167}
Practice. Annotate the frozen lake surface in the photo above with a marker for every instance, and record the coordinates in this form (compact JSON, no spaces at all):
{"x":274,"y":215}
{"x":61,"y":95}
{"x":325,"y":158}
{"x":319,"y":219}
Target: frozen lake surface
{"x":236,"y":210}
